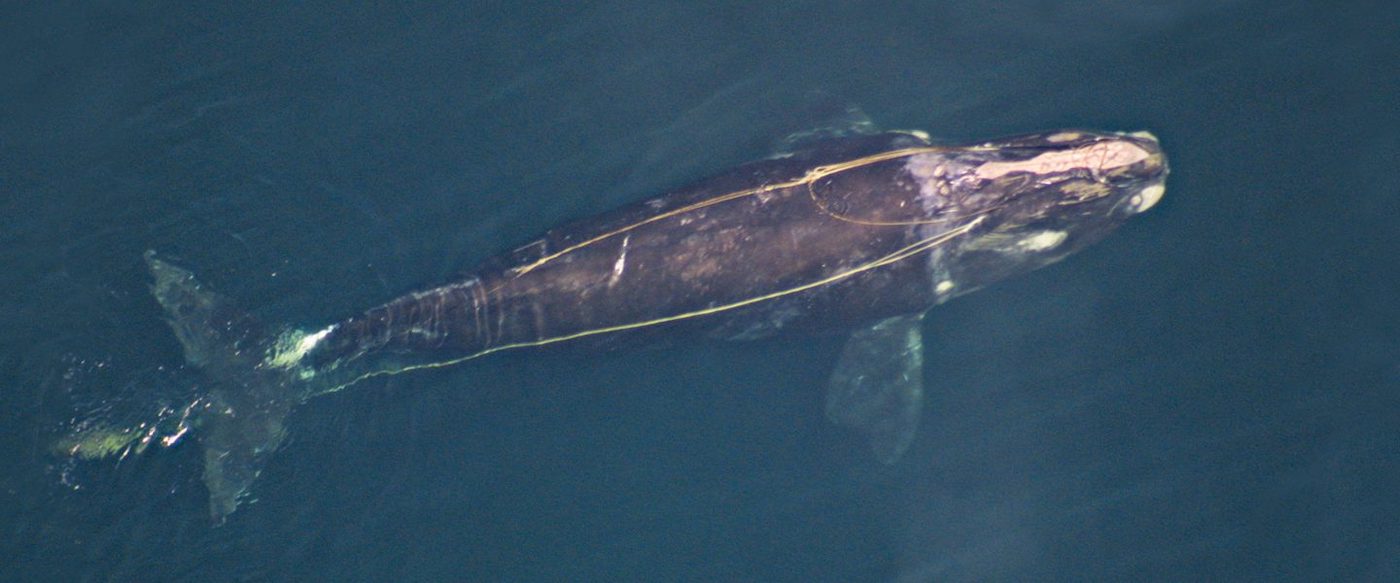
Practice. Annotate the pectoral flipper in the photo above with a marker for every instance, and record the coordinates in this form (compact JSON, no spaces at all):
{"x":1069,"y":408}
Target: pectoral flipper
{"x":877,"y":387}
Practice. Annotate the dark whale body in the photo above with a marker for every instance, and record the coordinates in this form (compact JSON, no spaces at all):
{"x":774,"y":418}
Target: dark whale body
{"x":859,"y":234}
{"x":696,"y":259}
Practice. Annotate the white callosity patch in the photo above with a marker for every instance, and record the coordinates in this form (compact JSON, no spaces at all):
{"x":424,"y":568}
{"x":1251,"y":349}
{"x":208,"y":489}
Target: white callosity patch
{"x":944,"y":183}
{"x":931,"y":172}
{"x":1041,"y":241}
{"x":1147,"y":198}
{"x":1099,"y":157}
{"x":943,"y":287}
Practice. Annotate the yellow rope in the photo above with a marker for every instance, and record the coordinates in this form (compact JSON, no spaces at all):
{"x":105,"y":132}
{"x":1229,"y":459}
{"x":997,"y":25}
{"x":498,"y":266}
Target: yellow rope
{"x":903,"y":253}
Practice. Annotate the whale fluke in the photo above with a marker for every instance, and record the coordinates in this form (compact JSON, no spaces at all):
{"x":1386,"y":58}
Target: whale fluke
{"x":241,"y":415}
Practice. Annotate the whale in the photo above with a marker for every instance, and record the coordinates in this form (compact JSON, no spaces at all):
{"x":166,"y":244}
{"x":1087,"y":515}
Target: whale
{"x":859,"y":235}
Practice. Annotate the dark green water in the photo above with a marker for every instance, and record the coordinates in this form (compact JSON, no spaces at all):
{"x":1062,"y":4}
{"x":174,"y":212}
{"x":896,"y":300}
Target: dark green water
{"x":1212,"y":393}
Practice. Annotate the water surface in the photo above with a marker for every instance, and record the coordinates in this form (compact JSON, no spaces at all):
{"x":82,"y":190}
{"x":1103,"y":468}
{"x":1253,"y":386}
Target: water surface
{"x":1214,"y":392}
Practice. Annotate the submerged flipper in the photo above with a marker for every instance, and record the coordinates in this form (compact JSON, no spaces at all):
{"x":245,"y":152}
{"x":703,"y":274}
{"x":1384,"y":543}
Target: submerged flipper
{"x":877,"y":387}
